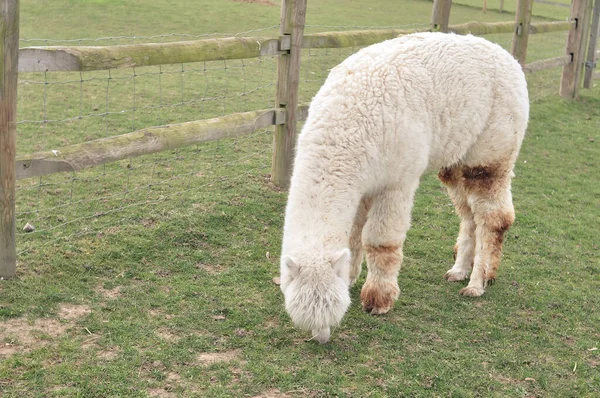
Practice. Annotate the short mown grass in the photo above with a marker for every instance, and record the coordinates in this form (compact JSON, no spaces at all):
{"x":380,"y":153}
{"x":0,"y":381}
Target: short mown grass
{"x":153,"y":276}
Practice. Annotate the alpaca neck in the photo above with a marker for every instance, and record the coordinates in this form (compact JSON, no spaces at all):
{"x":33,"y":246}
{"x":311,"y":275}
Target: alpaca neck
{"x":320,"y":212}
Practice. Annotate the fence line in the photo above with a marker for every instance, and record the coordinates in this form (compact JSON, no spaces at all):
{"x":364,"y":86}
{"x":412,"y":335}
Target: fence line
{"x":93,"y":58}
{"x":287,"y":47}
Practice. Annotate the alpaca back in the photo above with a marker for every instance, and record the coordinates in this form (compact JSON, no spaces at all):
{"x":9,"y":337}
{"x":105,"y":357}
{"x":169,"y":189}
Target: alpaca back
{"x":419,"y":102}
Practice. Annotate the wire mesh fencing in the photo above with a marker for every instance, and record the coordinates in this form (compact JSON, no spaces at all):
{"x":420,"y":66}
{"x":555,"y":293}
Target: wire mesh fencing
{"x":58,"y":109}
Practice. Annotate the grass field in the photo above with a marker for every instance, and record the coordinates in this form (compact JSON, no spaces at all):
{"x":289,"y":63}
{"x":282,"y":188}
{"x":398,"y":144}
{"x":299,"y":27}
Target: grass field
{"x":153,"y":276}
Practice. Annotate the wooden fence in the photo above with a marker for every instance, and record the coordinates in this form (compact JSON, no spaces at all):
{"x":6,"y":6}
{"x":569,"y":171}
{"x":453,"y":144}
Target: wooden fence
{"x":284,"y":115}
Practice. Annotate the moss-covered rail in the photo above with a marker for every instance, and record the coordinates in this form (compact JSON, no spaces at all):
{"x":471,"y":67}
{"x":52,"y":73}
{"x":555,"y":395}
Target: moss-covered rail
{"x":89,"y":58}
{"x":147,"y":141}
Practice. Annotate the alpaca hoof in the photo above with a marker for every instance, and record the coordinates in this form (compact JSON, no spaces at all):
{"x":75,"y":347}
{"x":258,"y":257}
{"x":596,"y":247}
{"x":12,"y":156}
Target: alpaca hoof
{"x":378,"y":310}
{"x":455,"y":276}
{"x":471,"y":291}
{"x":490,"y":282}
{"x":378,"y":299}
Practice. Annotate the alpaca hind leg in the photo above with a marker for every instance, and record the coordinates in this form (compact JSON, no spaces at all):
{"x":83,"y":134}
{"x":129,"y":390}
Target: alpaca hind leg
{"x":383,"y":236}
{"x":356,"y":247}
{"x":464,"y":249}
{"x":491,"y":202}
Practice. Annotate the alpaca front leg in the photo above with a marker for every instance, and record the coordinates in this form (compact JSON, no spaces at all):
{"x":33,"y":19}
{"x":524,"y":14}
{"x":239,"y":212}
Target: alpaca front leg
{"x":383,"y":236}
{"x":356,"y":240}
{"x":381,"y":287}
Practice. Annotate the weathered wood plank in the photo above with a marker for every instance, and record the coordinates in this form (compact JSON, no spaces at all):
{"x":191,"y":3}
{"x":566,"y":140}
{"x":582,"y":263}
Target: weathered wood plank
{"x":521,"y":33}
{"x":590,"y":64}
{"x":440,"y":15}
{"x":353,"y":38}
{"x":546,"y":27}
{"x":9,"y":58}
{"x":480,"y":28}
{"x":575,"y":48}
{"x":545,"y":64}
{"x":141,"y":142}
{"x":146,"y":141}
{"x":293,"y":15}
{"x":87,"y":58}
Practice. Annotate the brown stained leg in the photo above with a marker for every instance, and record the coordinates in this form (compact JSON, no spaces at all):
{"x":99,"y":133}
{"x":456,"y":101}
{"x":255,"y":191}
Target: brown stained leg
{"x":497,"y":225}
{"x":464,"y":249}
{"x":381,"y":289}
{"x":488,"y":189}
{"x":383,"y":235}
{"x":356,"y":240}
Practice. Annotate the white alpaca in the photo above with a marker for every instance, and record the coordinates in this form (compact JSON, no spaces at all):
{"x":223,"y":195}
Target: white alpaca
{"x":385,"y":116}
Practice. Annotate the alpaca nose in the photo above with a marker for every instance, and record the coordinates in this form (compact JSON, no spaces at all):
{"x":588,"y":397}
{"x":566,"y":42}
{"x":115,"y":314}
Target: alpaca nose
{"x":322,"y":336}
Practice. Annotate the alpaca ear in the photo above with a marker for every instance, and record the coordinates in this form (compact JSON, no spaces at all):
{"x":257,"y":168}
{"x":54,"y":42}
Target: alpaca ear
{"x":291,"y":265}
{"x":341,"y":264}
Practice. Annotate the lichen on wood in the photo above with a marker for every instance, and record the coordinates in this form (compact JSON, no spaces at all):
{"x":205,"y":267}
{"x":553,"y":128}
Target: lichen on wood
{"x":141,"y":142}
{"x":88,"y":58}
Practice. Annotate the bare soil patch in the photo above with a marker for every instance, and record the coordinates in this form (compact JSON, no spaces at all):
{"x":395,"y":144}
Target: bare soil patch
{"x":166,"y":334}
{"x":210,"y":269}
{"x":20,"y":335}
{"x":261,"y":2}
{"x":273,"y":393}
{"x":160,"y":393}
{"x":72,"y":312}
{"x":159,"y":314}
{"x":107,"y":355}
{"x":208,"y":358}
{"x":109,"y":294}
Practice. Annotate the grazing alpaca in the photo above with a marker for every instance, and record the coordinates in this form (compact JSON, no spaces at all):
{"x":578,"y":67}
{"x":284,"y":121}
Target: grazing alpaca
{"x":385,"y":116}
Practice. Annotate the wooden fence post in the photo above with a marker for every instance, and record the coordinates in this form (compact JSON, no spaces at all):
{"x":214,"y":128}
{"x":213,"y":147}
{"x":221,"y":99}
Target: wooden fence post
{"x":521,"y":34}
{"x":575,"y":48}
{"x":9,"y":53}
{"x":293,"y":13}
{"x":440,"y":15}
{"x":590,"y":63}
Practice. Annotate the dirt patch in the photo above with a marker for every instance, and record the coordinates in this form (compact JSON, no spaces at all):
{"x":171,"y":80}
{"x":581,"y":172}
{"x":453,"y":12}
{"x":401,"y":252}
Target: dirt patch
{"x":72,"y":312}
{"x":209,"y":358}
{"x":159,"y":314}
{"x":273,"y":393}
{"x":161,"y":393}
{"x":108,"y":294}
{"x":20,"y":335}
{"x":148,"y":223}
{"x":173,"y":377}
{"x":107,"y":355}
{"x":210,"y":269}
{"x":167,"y":335}
{"x":109,"y":231}
{"x":261,"y":2}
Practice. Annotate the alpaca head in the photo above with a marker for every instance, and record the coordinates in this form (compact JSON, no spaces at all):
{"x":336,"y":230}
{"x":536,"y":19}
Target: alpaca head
{"x":316,"y":291}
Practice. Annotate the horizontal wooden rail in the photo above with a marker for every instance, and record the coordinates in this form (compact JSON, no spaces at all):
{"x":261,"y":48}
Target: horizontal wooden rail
{"x":547,"y":27}
{"x":353,"y":38}
{"x":147,"y":141}
{"x":88,"y":58}
{"x":545,"y":64}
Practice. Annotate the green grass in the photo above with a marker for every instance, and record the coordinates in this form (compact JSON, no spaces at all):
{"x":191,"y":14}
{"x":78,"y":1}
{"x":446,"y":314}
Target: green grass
{"x":170,"y":258}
